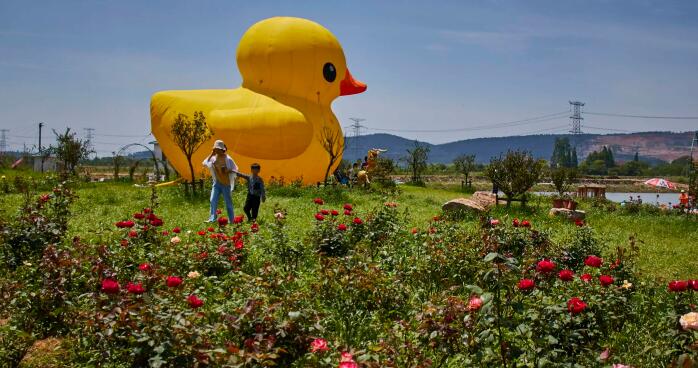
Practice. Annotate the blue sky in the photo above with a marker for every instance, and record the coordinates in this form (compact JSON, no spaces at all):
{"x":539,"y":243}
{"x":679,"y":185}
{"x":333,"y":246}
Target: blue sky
{"x":428,"y":65}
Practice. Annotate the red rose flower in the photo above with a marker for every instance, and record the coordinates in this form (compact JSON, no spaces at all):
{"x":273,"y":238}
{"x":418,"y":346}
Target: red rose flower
{"x":357,"y":221}
{"x":566,"y":275}
{"x":585,"y":277}
{"x":44,"y":198}
{"x":342,"y":227}
{"x":147,"y":210}
{"x":156,"y":222}
{"x":525,"y":223}
{"x":110,"y":286}
{"x":254,"y":228}
{"x":678,"y":286}
{"x":318,"y":201}
{"x":334,"y":213}
{"x":526,"y":284}
{"x":346,"y":360}
{"x":135,"y":288}
{"x":211,"y":229}
{"x":239,"y":244}
{"x":173,"y":281}
{"x":145,"y":267}
{"x":693,"y":284}
{"x":132,"y":234}
{"x":218,"y":211}
{"x":606,"y":280}
{"x":475,"y":303}
{"x":318,"y":345}
{"x":194,"y":301}
{"x":515,"y":222}
{"x":576,"y":305}
{"x":593,"y":261}
{"x":579,"y":222}
{"x":545,"y":266}
{"x":123,"y":224}
{"x":347,"y":212}
{"x":165,"y":232}
{"x":348,"y":207}
{"x":319,"y":217}
{"x":177,"y":230}
{"x":436,"y":218}
{"x":124,"y":242}
{"x":222,"y":221}
{"x":138,"y":216}
{"x":201,"y":232}
{"x":238,"y":219}
{"x":415,"y":230}
{"x":325,"y":212}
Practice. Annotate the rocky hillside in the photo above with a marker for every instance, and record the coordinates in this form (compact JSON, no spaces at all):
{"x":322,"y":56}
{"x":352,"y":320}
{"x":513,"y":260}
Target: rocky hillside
{"x":652,"y":146}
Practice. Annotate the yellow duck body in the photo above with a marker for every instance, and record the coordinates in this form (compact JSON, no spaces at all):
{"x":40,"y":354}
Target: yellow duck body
{"x":292,"y":70}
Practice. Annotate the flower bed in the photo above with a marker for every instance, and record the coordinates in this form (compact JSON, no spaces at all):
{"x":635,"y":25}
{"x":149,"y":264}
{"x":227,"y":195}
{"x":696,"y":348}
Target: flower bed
{"x":354,"y":287}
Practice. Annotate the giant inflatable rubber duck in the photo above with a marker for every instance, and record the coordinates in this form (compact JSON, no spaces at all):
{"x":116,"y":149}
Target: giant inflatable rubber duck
{"x":292,"y":69}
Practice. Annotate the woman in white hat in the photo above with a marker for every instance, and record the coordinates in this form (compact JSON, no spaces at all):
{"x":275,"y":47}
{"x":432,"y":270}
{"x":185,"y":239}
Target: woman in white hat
{"x":223,"y":170}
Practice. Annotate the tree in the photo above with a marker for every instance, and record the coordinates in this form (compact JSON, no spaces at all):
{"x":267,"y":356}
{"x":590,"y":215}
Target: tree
{"x":636,"y":158}
{"x":562,"y":177}
{"x":465,"y":164}
{"x":70,"y":150}
{"x":416,"y":160}
{"x":189,"y":135}
{"x":515,"y":173}
{"x":563,"y":154}
{"x":117,"y":160}
{"x":574,"y":160}
{"x":332,"y":141}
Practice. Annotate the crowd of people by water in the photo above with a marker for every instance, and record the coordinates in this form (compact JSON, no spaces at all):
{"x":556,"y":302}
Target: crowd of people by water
{"x":685,"y":203}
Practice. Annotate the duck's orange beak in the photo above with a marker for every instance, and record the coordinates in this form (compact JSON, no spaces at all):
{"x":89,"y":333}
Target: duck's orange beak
{"x":350,"y":86}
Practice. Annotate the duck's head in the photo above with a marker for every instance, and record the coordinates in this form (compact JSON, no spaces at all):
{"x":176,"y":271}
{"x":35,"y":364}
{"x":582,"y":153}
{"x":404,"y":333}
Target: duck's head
{"x":285,"y":56}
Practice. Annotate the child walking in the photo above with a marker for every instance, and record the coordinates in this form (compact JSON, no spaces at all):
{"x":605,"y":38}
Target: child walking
{"x":255,"y":192}
{"x":223,"y":170}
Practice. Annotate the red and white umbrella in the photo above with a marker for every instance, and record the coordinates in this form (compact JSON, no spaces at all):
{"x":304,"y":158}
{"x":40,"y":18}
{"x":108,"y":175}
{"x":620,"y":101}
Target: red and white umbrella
{"x":661,"y":183}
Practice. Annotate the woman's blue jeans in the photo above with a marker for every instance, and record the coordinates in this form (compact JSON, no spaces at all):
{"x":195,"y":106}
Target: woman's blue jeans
{"x":216,"y":192}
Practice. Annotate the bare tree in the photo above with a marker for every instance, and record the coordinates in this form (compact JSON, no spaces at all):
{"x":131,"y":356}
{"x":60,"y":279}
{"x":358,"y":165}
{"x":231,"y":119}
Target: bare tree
{"x":332,"y":141}
{"x":189,"y":135}
{"x":416,"y":160}
{"x":465,"y":164}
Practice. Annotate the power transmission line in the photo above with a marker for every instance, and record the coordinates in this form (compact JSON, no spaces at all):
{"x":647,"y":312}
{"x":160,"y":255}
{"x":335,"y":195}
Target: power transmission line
{"x":643,"y":116}
{"x":536,"y":119}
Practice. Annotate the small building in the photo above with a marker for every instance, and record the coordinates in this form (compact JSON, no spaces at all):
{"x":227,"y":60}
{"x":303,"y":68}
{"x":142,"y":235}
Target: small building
{"x":50,"y":164}
{"x":591,"y":190}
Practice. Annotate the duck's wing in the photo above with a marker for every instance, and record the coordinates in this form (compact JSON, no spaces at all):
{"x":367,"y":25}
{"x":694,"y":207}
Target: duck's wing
{"x":273,"y":131}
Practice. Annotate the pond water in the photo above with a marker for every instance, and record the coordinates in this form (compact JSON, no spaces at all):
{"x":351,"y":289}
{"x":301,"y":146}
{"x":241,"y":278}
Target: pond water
{"x":647,"y":197}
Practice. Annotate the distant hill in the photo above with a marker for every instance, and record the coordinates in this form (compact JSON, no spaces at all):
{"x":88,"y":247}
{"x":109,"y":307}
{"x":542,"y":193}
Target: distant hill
{"x":653,"y":147}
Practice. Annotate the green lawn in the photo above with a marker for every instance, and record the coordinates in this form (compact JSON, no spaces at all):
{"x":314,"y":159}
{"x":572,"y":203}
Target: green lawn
{"x":668,"y":243}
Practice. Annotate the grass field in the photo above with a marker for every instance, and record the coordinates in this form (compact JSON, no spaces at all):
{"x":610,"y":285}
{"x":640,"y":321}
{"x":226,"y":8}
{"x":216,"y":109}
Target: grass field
{"x":668,"y":242}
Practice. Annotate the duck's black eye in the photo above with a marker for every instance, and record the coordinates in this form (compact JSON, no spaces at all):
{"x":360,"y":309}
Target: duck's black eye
{"x":329,"y":72}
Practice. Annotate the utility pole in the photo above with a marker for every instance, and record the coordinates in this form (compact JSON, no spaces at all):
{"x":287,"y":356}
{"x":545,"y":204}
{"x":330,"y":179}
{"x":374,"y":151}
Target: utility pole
{"x":3,"y":140}
{"x":41,"y":155}
{"x":356,"y":126}
{"x":576,"y":119}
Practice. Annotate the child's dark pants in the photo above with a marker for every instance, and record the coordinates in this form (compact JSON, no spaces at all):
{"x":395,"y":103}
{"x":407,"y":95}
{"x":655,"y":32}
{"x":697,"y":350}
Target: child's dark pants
{"x":252,"y":206}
